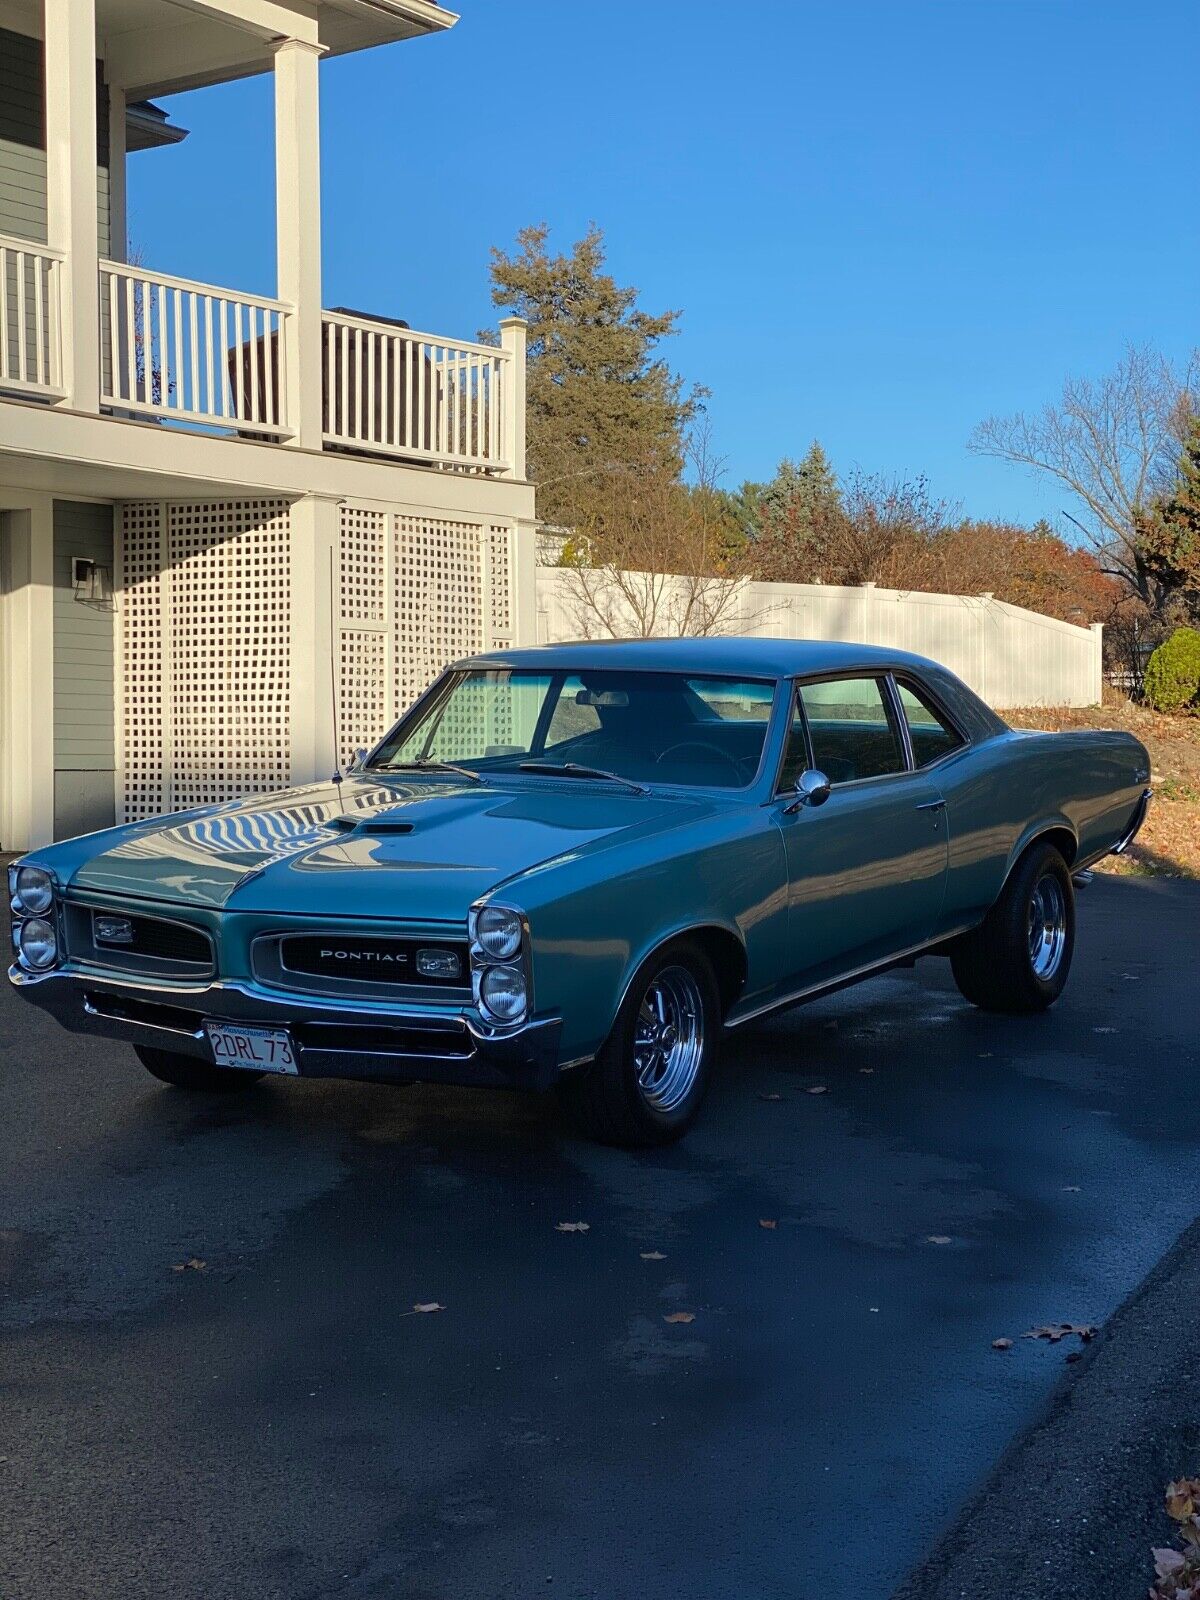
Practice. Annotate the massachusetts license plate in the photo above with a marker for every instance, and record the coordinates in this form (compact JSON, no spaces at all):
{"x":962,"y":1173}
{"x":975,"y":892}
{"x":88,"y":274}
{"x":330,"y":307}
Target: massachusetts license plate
{"x":254,"y":1049}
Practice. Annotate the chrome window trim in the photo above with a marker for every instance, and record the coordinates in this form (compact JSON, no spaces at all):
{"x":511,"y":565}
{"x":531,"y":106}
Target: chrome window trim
{"x":937,"y":704}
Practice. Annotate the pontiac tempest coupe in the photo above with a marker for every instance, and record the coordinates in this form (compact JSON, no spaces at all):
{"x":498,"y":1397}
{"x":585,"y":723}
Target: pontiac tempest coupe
{"x":574,"y":867}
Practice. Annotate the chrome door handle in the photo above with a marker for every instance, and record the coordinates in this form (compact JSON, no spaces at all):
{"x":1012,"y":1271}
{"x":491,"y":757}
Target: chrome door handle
{"x":932,"y":805}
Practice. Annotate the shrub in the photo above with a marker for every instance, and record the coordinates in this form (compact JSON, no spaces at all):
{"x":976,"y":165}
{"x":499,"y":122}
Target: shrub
{"x":1173,"y":672}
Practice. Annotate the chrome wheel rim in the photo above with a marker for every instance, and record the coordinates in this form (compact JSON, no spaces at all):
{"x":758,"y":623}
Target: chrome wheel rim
{"x":1047,"y":927}
{"x":668,"y":1039}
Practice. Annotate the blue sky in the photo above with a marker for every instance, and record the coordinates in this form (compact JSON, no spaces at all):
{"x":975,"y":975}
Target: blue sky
{"x":881,"y":219}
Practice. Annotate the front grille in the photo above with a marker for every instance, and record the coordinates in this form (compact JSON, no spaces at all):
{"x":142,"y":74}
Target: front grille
{"x":128,"y":941}
{"x":150,"y":936}
{"x":367,"y":960}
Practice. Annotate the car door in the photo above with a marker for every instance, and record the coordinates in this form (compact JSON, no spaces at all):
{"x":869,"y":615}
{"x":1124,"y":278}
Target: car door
{"x":867,"y":869}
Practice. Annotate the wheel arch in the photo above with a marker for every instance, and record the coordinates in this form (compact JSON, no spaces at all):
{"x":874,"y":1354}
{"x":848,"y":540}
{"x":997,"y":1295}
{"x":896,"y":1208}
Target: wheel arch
{"x":1056,"y":831}
{"x":722,"y":945}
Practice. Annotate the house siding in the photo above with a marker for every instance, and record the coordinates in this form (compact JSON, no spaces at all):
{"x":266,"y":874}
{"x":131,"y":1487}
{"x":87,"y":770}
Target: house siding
{"x":84,"y":730}
{"x":23,"y":143}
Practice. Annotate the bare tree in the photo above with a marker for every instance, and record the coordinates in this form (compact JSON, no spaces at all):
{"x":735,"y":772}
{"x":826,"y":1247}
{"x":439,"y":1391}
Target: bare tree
{"x":1113,"y":442}
{"x":649,"y":555}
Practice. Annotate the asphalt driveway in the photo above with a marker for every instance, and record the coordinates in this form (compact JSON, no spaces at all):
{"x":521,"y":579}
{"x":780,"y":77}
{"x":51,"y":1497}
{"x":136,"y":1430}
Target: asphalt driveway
{"x":281,"y":1423}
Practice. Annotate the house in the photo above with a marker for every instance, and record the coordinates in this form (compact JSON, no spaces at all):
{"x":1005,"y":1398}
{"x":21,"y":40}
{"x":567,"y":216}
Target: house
{"x":213,"y":502}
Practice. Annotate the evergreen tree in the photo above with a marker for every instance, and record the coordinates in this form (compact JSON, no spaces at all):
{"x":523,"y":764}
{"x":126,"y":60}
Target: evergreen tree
{"x":599,"y":397}
{"x":1169,"y":535}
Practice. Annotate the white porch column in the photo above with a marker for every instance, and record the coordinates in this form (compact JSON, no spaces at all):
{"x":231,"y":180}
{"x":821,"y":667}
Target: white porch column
{"x":118,"y":234}
{"x":315,"y":533}
{"x":70,"y":54}
{"x":513,"y":335}
{"x":27,"y":560}
{"x":298,"y":232}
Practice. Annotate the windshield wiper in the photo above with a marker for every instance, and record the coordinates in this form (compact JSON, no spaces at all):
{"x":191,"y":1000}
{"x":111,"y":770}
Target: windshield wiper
{"x":574,"y":769}
{"x":429,"y":764}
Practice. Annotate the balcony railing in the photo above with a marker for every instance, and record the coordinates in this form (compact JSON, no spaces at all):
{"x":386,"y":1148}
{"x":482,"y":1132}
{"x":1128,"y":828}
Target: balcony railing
{"x":189,"y":352}
{"x":198,"y":356}
{"x":30,"y":318}
{"x":391,"y":391}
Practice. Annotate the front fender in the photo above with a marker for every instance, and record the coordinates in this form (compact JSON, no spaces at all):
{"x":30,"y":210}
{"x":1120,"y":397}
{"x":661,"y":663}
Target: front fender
{"x":591,"y":933}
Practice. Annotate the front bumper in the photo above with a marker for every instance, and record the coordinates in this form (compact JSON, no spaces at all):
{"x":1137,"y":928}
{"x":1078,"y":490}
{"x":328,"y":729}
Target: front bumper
{"x":332,"y":1038}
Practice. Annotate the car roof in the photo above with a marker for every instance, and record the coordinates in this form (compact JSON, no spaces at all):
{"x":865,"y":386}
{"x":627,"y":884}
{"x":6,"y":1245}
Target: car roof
{"x":756,"y":658}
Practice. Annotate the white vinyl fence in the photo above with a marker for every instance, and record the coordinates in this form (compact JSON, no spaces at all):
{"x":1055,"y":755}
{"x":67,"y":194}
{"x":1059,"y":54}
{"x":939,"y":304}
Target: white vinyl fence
{"x":1009,"y":656}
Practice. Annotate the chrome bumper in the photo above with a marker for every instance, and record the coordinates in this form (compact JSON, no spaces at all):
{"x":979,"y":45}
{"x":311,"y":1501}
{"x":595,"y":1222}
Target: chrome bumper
{"x":1135,"y":823}
{"x":332,"y":1038}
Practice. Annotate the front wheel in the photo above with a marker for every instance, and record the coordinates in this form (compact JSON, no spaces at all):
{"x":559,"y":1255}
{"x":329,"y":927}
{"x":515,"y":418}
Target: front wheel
{"x":186,"y":1072}
{"x":647,"y":1084}
{"x":1019,"y":957}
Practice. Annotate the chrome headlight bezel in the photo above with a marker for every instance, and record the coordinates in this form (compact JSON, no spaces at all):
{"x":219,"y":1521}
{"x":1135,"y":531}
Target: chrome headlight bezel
{"x":497,"y":930}
{"x":31,"y":899}
{"x":49,"y":936}
{"x":515,"y":959}
{"x":504,"y":972}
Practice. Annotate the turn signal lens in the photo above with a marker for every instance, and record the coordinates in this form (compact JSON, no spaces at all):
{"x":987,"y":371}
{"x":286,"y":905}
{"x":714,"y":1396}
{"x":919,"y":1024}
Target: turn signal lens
{"x":498,"y":932}
{"x":33,"y":890}
{"x":38,"y":945}
{"x":502,"y":993}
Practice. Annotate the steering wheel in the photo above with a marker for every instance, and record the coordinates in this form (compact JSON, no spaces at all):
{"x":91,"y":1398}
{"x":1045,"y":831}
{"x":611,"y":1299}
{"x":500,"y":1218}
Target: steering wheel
{"x":703,"y":745}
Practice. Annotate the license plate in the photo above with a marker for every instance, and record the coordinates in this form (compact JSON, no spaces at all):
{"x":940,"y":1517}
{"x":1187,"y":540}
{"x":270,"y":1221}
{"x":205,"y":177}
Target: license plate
{"x":253,"y":1049}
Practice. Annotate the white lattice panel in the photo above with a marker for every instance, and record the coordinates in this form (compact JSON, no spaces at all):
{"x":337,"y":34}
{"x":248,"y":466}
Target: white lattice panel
{"x":362,"y":589}
{"x":142,"y":669}
{"x":362,"y":701}
{"x":229,"y":585}
{"x":438,"y":591}
{"x":501,"y":599}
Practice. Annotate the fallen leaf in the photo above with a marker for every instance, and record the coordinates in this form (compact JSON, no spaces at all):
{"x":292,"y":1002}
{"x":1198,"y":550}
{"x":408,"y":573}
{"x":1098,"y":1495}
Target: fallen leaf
{"x":680,"y":1316}
{"x":866,"y":1071}
{"x":770,"y":1097}
{"x":938,"y":1238}
{"x":767,"y":1222}
{"x":1071,"y":1188}
{"x":1167,"y":1561}
{"x":1054,"y":1331}
{"x":426,"y":1306}
{"x":192,"y":1264}
{"x":985,"y":1055}
{"x":573,"y":1227}
{"x":653,"y":1255}
{"x":831,"y":1027}
{"x":1104,"y":1030}
{"x":1002,"y":1344}
{"x":819,"y":1089}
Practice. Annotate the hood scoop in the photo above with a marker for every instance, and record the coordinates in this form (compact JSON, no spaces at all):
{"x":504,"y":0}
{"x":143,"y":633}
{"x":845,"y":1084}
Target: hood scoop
{"x":372,"y":825}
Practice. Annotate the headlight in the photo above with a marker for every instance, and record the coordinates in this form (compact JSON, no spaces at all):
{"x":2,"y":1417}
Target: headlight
{"x":33,"y":890}
{"x":498,"y":932}
{"x":37,"y":943}
{"x":502,"y":992}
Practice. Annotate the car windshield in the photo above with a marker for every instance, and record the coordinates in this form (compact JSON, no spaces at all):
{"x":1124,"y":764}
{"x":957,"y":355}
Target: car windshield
{"x":640,"y":727}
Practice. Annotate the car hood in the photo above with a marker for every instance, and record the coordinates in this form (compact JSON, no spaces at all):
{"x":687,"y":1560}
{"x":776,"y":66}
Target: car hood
{"x":374,"y":847}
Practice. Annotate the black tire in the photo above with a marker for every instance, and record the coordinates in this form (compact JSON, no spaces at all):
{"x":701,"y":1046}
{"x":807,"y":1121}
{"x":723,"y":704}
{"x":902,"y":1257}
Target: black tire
{"x":613,"y":1099}
{"x":1002,"y":965}
{"x":186,"y":1072}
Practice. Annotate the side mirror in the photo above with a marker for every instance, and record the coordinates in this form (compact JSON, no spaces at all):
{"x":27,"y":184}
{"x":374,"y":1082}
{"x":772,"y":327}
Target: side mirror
{"x":812,"y":789}
{"x":360,"y":756}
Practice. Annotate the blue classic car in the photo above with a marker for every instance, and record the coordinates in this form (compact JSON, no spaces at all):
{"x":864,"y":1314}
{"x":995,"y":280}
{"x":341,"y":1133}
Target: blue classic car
{"x":575,"y":867}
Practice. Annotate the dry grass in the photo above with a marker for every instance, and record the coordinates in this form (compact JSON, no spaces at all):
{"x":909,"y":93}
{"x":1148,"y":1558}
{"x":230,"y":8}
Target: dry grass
{"x":1169,"y":843}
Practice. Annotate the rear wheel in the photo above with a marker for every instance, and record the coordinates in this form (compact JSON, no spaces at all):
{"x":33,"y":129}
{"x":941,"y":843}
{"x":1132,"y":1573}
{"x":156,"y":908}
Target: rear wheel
{"x":1019,"y":957}
{"x":186,"y":1072}
{"x":648,"y":1082}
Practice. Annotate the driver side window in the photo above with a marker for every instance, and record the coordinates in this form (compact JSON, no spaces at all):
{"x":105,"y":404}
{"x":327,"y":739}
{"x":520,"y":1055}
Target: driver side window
{"x":852,"y":730}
